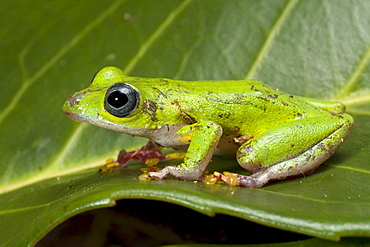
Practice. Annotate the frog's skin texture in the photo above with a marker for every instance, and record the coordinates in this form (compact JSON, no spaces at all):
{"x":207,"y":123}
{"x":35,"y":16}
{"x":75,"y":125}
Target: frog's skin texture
{"x":273,"y":134}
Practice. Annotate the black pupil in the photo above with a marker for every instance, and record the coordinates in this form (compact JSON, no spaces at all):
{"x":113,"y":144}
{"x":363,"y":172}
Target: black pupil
{"x":117,"y":99}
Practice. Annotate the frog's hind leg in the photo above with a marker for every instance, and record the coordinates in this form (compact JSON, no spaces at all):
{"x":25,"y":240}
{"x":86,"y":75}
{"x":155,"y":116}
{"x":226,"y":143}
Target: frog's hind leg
{"x":335,"y":108}
{"x":290,"y":150}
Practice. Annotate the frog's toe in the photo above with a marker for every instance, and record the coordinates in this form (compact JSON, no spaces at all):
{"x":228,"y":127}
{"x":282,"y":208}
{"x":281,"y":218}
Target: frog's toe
{"x":177,"y":171}
{"x":234,"y":179}
{"x":161,"y":174}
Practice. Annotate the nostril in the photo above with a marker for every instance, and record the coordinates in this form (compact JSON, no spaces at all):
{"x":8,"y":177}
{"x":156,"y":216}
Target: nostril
{"x":74,"y":100}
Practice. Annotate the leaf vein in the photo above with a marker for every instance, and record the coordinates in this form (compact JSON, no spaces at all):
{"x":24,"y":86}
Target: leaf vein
{"x":270,"y":38}
{"x":155,"y":35}
{"x":185,"y":58}
{"x":358,"y":111}
{"x":358,"y":99}
{"x":354,"y":77}
{"x":48,"y":175}
{"x":72,"y":140}
{"x":28,"y":46}
{"x":351,"y":169}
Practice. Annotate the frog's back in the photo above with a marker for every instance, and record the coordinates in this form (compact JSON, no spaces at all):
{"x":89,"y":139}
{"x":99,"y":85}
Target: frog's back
{"x":240,"y":107}
{"x":246,"y":107}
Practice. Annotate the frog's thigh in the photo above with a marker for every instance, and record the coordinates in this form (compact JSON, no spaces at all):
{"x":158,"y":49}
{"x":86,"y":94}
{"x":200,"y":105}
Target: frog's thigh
{"x":295,"y":148}
{"x":335,"y":108}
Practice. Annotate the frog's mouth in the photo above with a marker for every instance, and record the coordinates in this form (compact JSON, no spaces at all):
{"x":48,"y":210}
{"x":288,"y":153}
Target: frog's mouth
{"x":164,"y":135}
{"x":89,"y":120}
{"x":107,"y":124}
{"x":75,"y":117}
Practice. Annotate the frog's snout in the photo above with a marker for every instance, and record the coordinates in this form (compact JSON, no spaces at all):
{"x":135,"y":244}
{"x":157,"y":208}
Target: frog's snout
{"x":71,"y":105}
{"x":73,"y":99}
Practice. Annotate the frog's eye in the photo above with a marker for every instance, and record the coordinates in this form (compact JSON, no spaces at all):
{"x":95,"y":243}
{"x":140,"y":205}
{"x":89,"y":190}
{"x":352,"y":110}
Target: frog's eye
{"x":121,"y":100}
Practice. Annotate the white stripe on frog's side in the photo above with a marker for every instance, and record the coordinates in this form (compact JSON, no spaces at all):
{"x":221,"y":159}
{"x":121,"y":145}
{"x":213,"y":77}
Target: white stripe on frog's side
{"x":164,"y":136}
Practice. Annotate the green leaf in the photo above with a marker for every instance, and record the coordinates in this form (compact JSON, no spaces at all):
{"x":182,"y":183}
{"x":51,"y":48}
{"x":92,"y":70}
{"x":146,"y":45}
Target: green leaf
{"x":50,"y":49}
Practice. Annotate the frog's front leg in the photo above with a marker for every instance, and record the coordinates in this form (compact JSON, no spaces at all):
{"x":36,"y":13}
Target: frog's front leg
{"x":203,"y":138}
{"x":293,"y":149}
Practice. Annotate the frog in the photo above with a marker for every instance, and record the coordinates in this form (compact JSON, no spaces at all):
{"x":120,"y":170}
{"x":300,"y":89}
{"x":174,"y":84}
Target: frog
{"x":274,"y":135}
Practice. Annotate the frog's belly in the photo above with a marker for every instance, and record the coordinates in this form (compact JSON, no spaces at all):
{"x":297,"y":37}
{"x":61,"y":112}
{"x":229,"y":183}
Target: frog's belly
{"x":167,"y":137}
{"x":226,"y":146}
